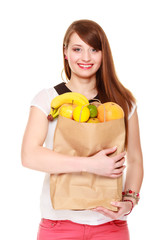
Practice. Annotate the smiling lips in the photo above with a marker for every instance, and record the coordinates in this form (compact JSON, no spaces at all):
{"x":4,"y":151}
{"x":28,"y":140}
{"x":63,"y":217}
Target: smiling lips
{"x":85,"y":66}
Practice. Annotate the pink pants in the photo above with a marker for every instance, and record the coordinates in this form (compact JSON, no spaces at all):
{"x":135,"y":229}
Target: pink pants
{"x":63,"y":230}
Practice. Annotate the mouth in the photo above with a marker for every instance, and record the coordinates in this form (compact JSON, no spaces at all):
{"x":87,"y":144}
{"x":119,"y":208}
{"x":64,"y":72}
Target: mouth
{"x":85,"y":66}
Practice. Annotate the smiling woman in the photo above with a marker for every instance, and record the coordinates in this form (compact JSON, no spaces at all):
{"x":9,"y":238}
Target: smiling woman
{"x":89,"y":68}
{"x":80,"y":57}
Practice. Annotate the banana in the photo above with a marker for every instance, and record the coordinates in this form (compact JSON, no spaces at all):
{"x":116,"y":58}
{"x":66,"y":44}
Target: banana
{"x":69,"y":97}
{"x":81,"y":95}
{"x":53,"y":114}
{"x":56,"y":113}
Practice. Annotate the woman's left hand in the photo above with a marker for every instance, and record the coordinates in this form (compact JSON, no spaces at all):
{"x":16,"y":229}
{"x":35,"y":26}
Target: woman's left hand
{"x":123,"y":208}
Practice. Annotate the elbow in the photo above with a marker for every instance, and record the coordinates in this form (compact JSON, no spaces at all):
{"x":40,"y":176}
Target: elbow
{"x":135,"y":158}
{"x":136,"y":162}
{"x":24,"y":161}
{"x":25,"y":158}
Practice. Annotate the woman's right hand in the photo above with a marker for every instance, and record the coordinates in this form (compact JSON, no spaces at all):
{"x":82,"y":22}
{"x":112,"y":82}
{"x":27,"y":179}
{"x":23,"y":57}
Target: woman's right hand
{"x":103,"y":165}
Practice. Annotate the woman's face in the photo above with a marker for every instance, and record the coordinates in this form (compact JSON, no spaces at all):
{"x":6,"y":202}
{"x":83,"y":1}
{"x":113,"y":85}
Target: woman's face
{"x":84,"y":60}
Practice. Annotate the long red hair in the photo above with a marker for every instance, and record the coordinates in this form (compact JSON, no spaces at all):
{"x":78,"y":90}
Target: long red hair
{"x":108,"y":85}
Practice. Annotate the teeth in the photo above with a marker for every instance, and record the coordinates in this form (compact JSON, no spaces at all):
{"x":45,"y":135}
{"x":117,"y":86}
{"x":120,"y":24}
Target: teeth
{"x":85,"y":65}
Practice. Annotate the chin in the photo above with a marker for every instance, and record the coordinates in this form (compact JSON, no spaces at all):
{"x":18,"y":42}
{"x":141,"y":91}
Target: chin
{"x":84,"y":75}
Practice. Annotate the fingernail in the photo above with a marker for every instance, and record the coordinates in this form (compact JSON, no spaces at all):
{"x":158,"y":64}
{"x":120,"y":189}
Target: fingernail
{"x":113,"y":203}
{"x":98,"y":208}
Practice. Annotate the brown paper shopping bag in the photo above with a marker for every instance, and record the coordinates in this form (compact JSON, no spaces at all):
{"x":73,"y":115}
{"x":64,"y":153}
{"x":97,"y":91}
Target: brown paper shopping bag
{"x":79,"y":191}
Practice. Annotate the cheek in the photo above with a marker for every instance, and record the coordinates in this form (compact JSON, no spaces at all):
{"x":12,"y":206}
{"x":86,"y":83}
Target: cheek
{"x":98,"y":61}
{"x":100,"y":58}
{"x":72,"y":58}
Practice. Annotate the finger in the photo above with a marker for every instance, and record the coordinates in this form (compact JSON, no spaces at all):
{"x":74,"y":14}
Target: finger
{"x":103,"y":209}
{"x":119,"y":156}
{"x":119,"y":170}
{"x":121,"y":209}
{"x":107,"y":212}
{"x":104,"y":213}
{"x":116,"y":175}
{"x":120,"y":163}
{"x":109,"y":150}
{"x":118,"y":204}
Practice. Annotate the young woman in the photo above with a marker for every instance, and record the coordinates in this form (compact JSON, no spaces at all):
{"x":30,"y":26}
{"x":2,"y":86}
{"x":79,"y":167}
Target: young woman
{"x":90,"y":70}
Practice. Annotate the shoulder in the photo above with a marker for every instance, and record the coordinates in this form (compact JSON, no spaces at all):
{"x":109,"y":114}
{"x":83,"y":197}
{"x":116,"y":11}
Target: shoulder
{"x":49,"y":93}
{"x":132,"y":110}
{"x":43,"y":98}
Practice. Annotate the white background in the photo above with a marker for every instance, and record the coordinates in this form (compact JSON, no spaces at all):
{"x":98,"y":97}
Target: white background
{"x":31,"y":59}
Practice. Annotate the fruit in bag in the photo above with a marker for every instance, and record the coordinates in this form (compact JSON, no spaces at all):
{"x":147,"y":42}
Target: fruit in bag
{"x":93,"y":120}
{"x":109,"y":111}
{"x":93,"y":110}
{"x":66,"y":110}
{"x":81,"y":114}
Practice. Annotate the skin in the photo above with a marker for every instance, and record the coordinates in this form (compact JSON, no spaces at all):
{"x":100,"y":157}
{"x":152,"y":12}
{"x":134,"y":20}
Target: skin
{"x":83,"y":80}
{"x":134,"y":173}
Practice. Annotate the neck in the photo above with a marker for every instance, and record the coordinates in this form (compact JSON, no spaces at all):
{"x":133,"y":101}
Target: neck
{"x":86,"y":87}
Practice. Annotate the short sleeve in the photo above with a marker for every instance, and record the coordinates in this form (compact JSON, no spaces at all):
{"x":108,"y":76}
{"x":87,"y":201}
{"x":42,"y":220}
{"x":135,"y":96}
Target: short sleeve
{"x":132,"y":110}
{"x":42,"y":101}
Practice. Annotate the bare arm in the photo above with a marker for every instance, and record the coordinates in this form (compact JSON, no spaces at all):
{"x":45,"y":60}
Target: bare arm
{"x":37,"y":157}
{"x":134,"y":174}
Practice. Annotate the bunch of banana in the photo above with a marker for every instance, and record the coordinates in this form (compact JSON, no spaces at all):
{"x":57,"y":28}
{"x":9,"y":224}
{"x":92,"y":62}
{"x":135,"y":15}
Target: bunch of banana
{"x":53,"y":114}
{"x":69,"y":97}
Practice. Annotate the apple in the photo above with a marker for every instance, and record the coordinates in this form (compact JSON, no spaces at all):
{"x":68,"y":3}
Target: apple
{"x":93,"y":120}
{"x":66,"y":110}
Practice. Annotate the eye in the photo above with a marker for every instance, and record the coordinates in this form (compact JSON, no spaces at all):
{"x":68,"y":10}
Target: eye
{"x":93,"y":50}
{"x":76,"y":49}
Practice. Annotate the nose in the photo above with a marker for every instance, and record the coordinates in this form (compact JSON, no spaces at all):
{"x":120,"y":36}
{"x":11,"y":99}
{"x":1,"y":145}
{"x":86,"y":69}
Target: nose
{"x":86,"y":56}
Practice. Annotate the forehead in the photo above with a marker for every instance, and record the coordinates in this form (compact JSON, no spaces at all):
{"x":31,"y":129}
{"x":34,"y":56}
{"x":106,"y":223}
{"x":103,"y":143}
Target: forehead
{"x":75,"y":39}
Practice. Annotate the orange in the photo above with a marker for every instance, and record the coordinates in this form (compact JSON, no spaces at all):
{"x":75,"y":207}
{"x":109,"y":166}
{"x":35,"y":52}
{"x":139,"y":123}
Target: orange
{"x":111,"y":111}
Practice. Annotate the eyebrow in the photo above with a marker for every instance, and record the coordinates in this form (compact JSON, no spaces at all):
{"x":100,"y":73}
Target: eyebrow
{"x":76,"y":45}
